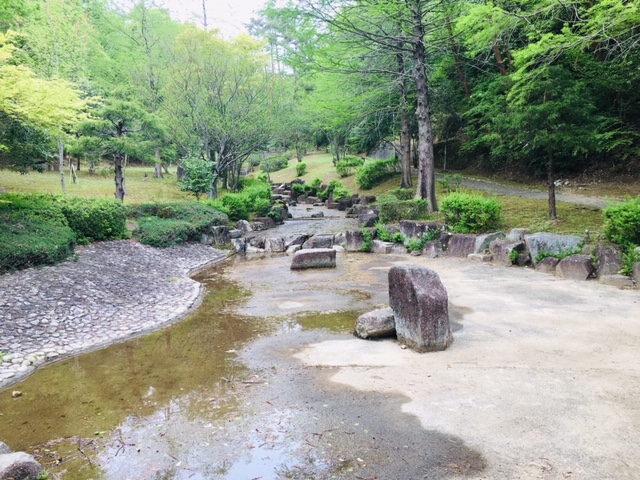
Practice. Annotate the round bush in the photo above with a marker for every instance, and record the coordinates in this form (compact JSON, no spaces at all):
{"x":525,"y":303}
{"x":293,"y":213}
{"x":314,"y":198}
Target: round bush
{"x":622,"y":222}
{"x":466,"y":213}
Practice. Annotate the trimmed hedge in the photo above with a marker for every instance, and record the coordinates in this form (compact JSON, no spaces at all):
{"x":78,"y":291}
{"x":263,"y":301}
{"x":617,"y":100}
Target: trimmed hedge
{"x":374,"y":173}
{"x":466,"y":213}
{"x":166,"y":224}
{"x":33,"y":231}
{"x":95,"y":218}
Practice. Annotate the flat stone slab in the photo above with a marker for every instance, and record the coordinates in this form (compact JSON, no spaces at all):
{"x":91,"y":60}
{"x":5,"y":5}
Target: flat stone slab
{"x":318,"y":241}
{"x":461,"y":245}
{"x":551,"y":243}
{"x":314,"y":258}
{"x":376,"y":324}
{"x":378,"y":246}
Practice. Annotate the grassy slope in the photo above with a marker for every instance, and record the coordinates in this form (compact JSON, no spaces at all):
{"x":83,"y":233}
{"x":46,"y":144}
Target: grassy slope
{"x":139,"y":188}
{"x":517,"y":212}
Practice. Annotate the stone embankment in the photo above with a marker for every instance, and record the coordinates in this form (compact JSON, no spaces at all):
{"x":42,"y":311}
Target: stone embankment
{"x":113,"y":291}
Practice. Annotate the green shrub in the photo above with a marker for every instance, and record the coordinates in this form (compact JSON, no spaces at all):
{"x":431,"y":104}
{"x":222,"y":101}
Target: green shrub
{"x":233,"y":205}
{"x":393,"y":210}
{"x":403,"y":193}
{"x":27,"y":239}
{"x":95,"y":218}
{"x":466,"y":213}
{"x":629,"y":258}
{"x":165,"y":232}
{"x":335,"y":187}
{"x":374,"y":173}
{"x":560,"y":255}
{"x":297,"y":189}
{"x":261,"y":206}
{"x":368,"y":239}
{"x":301,"y":169}
{"x":255,"y":197}
{"x":399,"y":238}
{"x":274,"y":163}
{"x":622,"y":222}
{"x":382,"y":232}
{"x":346,"y":166}
{"x":166,"y":224}
{"x":451,"y":183}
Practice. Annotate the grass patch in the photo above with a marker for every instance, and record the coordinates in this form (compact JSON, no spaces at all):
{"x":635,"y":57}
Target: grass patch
{"x":140,"y":189}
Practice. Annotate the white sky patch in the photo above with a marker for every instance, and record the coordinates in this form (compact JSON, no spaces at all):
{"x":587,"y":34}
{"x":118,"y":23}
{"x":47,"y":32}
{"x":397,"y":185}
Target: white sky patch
{"x":229,"y":16}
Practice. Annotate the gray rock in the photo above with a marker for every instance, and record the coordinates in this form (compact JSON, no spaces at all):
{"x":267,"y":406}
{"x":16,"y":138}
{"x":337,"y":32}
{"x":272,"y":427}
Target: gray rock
{"x":319,"y":241}
{"x":355,"y":240}
{"x":338,"y":248}
{"x":575,"y":267}
{"x":483,"y":241}
{"x":314,"y":258}
{"x":345,"y":203}
{"x":235,"y":233}
{"x":420,"y":307}
{"x":551,"y":243}
{"x":398,"y":248}
{"x":479,"y":257}
{"x":367,"y":220}
{"x":548,"y":265}
{"x":317,"y":215}
{"x":295,"y":240}
{"x":617,"y":280}
{"x":517,"y":234}
{"x":267,"y":222}
{"x":220,"y":235}
{"x":274,"y":244}
{"x":523,"y":259}
{"x":461,"y":245}
{"x":413,"y":229}
{"x":502,"y":251}
{"x":293,"y":249}
{"x":635,"y":274}
{"x":378,"y":246}
{"x":4,"y":448}
{"x":432,"y":249}
{"x":257,"y":242}
{"x":608,"y":260}
{"x":244,"y":226}
{"x":340,"y":239}
{"x":19,"y":466}
{"x":377,"y":324}
{"x":238,"y":245}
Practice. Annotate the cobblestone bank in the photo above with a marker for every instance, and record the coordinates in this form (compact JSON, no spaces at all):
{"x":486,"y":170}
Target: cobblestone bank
{"x":113,"y":291}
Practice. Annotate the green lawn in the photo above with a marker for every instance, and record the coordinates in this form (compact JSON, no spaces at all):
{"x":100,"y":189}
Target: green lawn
{"x":140,"y":189}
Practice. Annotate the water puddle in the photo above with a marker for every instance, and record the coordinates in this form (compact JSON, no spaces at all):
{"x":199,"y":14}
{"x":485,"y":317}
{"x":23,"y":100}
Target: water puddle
{"x":173,"y":404}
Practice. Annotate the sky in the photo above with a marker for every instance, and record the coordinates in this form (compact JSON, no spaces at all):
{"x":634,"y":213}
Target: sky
{"x":226,"y":15}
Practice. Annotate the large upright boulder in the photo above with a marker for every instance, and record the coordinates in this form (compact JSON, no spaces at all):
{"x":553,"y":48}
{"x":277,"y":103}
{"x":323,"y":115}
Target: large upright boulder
{"x":575,"y":267}
{"x":319,"y":241}
{"x":461,"y":245}
{"x":19,"y":466}
{"x":354,"y":240}
{"x":551,"y":244}
{"x":608,"y":260}
{"x":420,"y":308}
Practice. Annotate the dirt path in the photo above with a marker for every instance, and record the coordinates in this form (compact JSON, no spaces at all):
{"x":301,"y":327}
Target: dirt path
{"x":500,"y":189}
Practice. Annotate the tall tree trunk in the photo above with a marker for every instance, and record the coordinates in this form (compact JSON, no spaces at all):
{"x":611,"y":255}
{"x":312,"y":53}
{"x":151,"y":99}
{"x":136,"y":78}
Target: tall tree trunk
{"x":426,"y":166}
{"x":119,"y":176}
{"x":157,"y":173}
{"x":61,"y":163}
{"x":551,"y":183}
{"x":456,"y":56}
{"x":496,"y":53}
{"x":78,"y":164}
{"x":405,"y":123}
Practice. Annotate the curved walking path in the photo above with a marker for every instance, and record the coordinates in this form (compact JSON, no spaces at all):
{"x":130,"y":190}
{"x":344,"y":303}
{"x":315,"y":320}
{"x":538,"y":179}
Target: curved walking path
{"x":114,"y":291}
{"x":500,"y":189}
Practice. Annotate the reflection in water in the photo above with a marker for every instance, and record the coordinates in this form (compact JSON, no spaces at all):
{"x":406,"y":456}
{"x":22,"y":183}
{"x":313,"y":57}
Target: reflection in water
{"x":166,"y":405}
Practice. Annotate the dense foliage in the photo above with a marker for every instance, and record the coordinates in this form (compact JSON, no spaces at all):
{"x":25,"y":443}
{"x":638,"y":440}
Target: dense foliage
{"x":375,"y":172}
{"x":467,"y":213}
{"x":255,"y":197}
{"x":95,"y":218}
{"x":622,"y":222}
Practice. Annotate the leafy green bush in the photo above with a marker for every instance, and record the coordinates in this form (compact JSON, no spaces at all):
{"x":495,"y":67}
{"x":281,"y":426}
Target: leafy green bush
{"x":33,"y":231}
{"x":374,"y":173}
{"x":403,"y":193}
{"x":233,"y":205}
{"x":253,"y":198}
{"x":166,"y":224}
{"x":382,"y":232}
{"x":368,"y":239}
{"x":392,"y":209}
{"x":335,"y":187}
{"x":399,"y":238}
{"x":297,"y":189}
{"x":466,"y":213}
{"x":301,"y":169}
{"x":198,"y":176}
{"x":622,"y":222}
{"x":274,"y":163}
{"x":165,"y":232}
{"x":345,"y":167}
{"x":95,"y":218}
{"x":451,"y":183}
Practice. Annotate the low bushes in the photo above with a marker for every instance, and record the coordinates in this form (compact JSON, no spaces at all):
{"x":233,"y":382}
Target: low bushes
{"x":39,"y":229}
{"x":466,"y":213}
{"x":255,"y":197}
{"x":336,"y":188}
{"x":274,"y":163}
{"x":346,"y":166}
{"x":165,"y":224}
{"x":95,"y":218}
{"x":622,"y":222}
{"x":392,"y":209}
{"x":374,"y":173}
{"x":301,"y":169}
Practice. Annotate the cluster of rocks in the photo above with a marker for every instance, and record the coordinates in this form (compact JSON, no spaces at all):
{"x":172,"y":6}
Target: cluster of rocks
{"x":418,"y":313}
{"x":18,"y":465}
